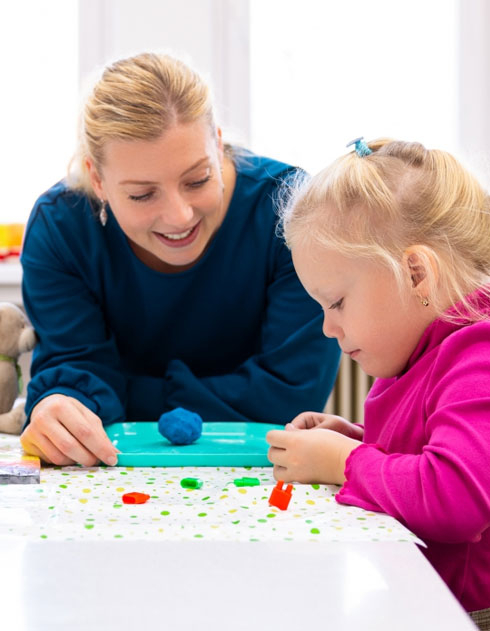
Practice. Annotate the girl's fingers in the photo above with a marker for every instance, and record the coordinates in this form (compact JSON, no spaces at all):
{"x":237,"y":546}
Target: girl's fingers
{"x":308,"y":420}
{"x":300,"y":421}
{"x":279,"y":438}
{"x":280,"y":473}
{"x":278,"y":456}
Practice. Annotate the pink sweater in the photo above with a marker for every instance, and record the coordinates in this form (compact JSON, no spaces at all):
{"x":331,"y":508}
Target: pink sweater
{"x":425,"y":458}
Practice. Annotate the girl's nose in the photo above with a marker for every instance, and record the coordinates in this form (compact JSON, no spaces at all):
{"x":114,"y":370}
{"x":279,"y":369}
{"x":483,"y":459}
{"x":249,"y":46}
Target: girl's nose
{"x":330,"y":328}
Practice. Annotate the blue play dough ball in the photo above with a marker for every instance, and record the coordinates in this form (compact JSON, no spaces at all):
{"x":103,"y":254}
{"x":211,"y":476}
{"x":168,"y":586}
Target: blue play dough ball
{"x":180,"y":426}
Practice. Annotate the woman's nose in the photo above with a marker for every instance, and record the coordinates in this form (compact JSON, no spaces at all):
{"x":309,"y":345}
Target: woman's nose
{"x":177,"y":212}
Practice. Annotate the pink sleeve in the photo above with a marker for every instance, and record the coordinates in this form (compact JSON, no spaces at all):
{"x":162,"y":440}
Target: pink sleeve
{"x":442,"y":493}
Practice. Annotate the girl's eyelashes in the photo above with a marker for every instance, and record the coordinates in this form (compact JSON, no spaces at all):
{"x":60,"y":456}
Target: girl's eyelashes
{"x":337,"y":305}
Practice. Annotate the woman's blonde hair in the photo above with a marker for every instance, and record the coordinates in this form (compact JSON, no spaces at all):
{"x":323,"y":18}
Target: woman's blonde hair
{"x":137,"y":99}
{"x":400,"y":195}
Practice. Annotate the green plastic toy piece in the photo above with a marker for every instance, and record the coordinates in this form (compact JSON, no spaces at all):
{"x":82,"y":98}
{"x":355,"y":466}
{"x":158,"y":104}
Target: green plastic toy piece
{"x":191,"y":483}
{"x":247,"y":482}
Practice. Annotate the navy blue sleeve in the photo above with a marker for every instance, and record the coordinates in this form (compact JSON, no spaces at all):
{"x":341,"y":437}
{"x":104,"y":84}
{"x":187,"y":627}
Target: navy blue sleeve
{"x":294,"y":370}
{"x":76,"y":354}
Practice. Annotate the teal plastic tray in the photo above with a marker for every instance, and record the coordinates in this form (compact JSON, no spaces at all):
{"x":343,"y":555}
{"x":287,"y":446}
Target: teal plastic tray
{"x":221,"y":444}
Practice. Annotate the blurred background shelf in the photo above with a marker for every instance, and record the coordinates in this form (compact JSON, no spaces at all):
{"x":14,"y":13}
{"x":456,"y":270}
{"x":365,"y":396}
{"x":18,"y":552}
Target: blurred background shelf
{"x":10,"y":283}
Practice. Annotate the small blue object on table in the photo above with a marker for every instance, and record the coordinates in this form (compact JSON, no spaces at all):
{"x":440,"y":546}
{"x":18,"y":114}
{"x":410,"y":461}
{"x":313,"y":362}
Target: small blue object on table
{"x":180,"y":426}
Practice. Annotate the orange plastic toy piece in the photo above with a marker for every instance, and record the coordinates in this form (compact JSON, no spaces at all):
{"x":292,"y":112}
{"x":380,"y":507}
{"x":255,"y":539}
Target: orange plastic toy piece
{"x":135,"y":498}
{"x":281,"y":497}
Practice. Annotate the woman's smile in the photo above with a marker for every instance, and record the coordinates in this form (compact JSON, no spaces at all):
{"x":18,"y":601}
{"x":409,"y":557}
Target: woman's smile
{"x":179,"y":239}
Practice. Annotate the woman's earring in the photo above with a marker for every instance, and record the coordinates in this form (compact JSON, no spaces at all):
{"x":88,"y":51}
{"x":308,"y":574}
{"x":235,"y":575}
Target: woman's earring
{"x":103,"y":212}
{"x":425,"y":302}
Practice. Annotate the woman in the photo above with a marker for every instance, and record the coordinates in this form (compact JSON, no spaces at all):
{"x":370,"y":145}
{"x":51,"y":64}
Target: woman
{"x":154,"y":278}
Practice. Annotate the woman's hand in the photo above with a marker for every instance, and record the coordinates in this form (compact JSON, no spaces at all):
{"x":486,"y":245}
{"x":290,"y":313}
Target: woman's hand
{"x":63,"y":431}
{"x":317,"y":420}
{"x":312,"y":456}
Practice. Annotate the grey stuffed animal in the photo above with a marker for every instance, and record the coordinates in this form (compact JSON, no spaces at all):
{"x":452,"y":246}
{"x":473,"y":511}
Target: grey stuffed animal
{"x":16,"y":337}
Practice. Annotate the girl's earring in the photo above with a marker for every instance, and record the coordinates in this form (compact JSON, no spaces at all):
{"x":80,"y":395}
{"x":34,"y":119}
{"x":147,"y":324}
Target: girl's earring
{"x":425,"y":302}
{"x":103,"y":212}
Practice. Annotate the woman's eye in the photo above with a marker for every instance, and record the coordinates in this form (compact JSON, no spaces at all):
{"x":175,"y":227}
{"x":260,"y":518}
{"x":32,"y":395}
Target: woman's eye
{"x":337,"y":305}
{"x":141,"y":198}
{"x":199,"y":183}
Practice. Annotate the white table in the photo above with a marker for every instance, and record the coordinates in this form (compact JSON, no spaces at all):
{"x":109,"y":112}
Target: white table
{"x":119,"y":586}
{"x":73,"y":557}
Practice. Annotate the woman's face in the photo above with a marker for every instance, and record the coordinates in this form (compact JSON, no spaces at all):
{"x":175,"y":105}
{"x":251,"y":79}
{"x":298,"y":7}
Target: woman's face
{"x":166,"y":194}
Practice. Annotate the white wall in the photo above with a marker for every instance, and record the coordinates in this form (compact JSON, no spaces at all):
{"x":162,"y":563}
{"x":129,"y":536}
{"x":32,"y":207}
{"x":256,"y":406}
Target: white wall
{"x":38,"y":105}
{"x":328,"y":72}
{"x":212,"y":35}
{"x":474,"y":85}
{"x":39,"y":49}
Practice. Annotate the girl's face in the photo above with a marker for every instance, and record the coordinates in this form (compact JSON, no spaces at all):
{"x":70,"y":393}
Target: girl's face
{"x":166,"y":194}
{"x":363,"y":308}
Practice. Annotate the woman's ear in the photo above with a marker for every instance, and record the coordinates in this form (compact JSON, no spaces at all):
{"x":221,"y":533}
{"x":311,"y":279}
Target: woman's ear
{"x":420,"y":264}
{"x":219,"y":141}
{"x":95,"y":179}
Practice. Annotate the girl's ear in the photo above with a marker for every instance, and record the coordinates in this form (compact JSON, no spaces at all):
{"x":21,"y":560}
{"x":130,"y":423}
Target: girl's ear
{"x":95,"y":179}
{"x":421,"y":266}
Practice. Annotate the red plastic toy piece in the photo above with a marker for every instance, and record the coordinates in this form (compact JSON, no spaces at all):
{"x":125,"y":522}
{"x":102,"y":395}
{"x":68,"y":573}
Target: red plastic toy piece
{"x":135,"y":498}
{"x":281,"y":497}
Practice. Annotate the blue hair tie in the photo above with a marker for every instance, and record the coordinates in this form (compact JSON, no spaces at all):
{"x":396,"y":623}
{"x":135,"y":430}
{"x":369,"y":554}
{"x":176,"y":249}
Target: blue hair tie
{"x":360,"y":146}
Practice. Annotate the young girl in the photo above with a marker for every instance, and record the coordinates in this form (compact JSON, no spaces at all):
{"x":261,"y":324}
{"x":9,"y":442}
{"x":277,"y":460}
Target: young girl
{"x":393,"y":241}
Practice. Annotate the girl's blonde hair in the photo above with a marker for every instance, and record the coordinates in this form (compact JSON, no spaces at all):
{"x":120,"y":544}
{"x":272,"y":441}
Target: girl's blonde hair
{"x":400,"y":195}
{"x":137,"y":99}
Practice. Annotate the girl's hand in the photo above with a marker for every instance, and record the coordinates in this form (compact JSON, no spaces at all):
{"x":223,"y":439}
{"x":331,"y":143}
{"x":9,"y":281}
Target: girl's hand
{"x":308,"y":457}
{"x":316,"y":420}
{"x":63,"y":431}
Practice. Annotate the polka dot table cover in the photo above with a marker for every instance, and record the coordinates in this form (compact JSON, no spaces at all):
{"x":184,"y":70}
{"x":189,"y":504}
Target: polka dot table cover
{"x":77,"y":503}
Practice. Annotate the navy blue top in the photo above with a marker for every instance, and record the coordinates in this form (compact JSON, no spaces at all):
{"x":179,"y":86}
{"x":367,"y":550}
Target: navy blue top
{"x":233,"y":338}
